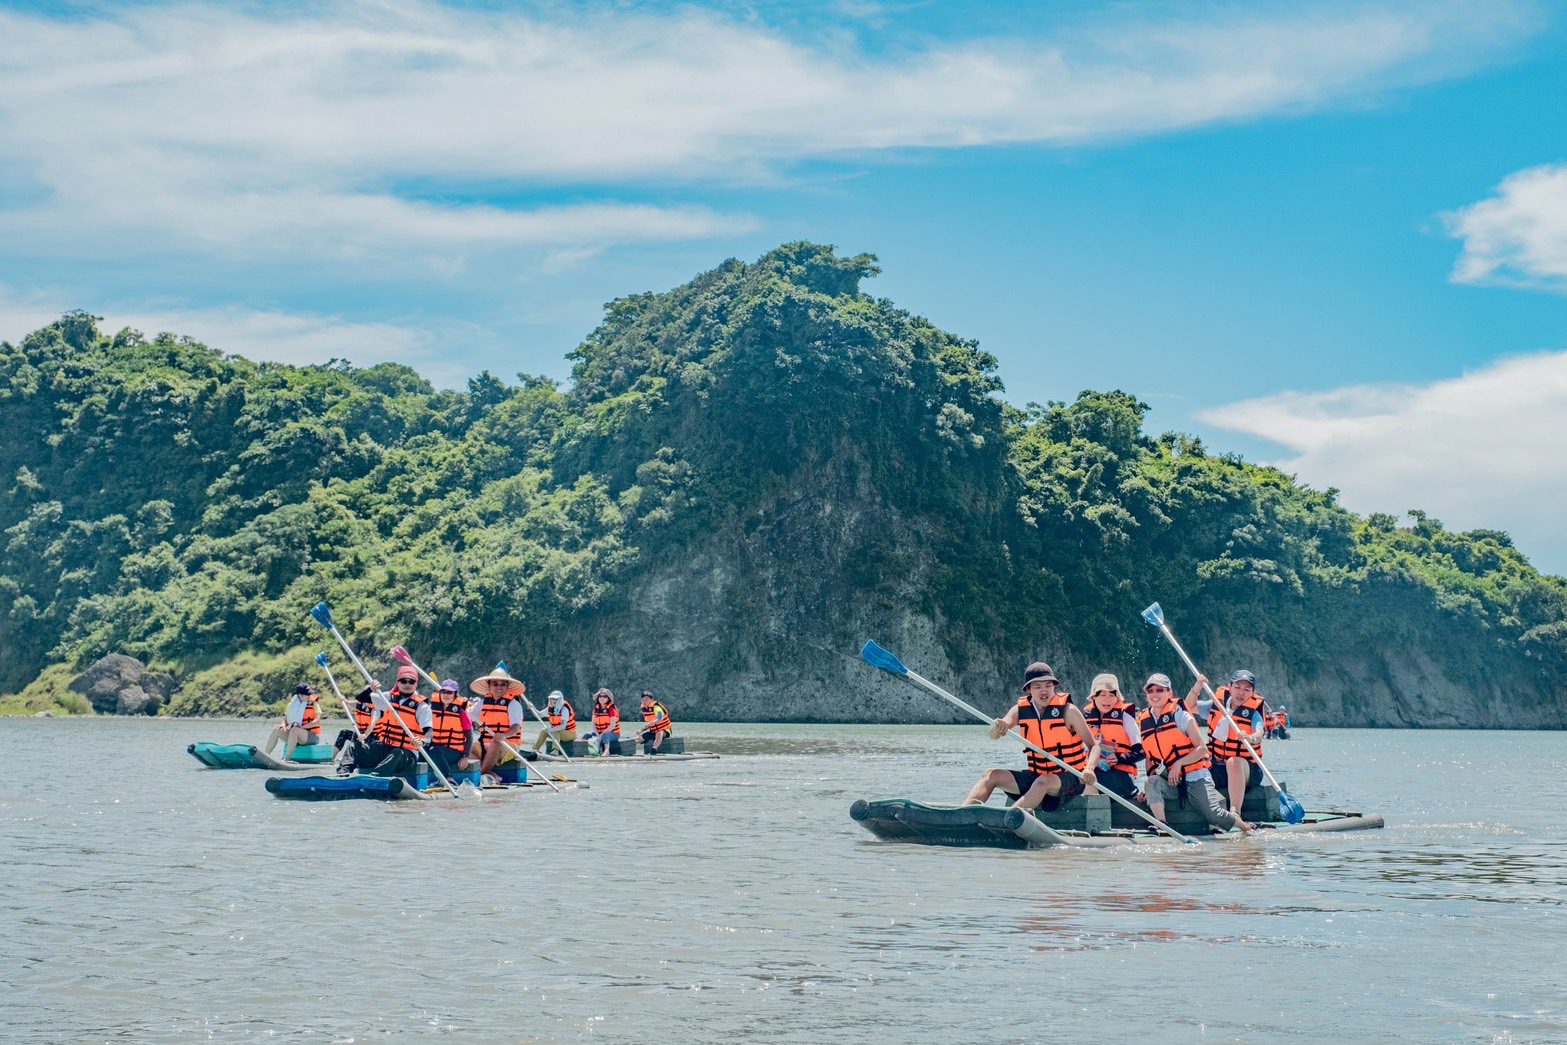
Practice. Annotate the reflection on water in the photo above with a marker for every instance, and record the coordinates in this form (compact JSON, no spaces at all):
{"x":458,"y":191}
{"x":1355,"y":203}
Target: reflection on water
{"x":707,"y":901}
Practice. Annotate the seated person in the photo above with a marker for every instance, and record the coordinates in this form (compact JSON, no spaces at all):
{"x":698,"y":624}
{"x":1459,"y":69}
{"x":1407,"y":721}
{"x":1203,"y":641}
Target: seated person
{"x":402,"y":727}
{"x":301,"y":722}
{"x":656,"y":723}
{"x":1235,"y":768}
{"x":560,"y":721}
{"x":606,"y":721}
{"x":451,"y":736}
{"x":1113,"y":722}
{"x":1178,"y":759}
{"x":500,"y":717}
{"x":1049,"y":720}
{"x":355,"y":743}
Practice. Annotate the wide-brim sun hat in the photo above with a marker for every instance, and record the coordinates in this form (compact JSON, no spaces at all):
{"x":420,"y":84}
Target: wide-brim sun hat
{"x":481,"y":685}
{"x":1105,"y":682}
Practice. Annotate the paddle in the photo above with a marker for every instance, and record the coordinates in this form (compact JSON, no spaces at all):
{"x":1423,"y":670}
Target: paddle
{"x":1292,"y":810}
{"x":402,"y":656}
{"x":877,"y":657}
{"x":353,"y":723}
{"x":323,"y":615}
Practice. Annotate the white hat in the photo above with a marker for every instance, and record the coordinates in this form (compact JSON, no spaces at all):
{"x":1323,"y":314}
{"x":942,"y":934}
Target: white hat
{"x":556,"y":696}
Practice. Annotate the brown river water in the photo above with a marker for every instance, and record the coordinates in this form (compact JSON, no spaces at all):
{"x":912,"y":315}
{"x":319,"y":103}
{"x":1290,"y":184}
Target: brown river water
{"x":149,"y":899}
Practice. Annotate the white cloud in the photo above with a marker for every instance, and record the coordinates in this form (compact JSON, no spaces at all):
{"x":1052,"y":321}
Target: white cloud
{"x":1519,"y":236}
{"x":301,"y":339}
{"x":1483,"y":450}
{"x":366,"y":130}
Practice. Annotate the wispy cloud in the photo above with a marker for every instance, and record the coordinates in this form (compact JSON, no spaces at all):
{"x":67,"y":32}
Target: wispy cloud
{"x":259,"y":334}
{"x":369,"y":130}
{"x":1483,"y":449}
{"x":1517,"y":237}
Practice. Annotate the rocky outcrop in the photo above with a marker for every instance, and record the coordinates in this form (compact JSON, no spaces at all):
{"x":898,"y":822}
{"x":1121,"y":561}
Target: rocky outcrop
{"x":121,"y":685}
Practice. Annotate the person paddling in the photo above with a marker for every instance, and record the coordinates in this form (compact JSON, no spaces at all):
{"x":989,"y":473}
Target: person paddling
{"x":500,"y":717}
{"x":657,"y":726}
{"x":359,"y":741}
{"x":1113,"y":722}
{"x":1177,"y":758}
{"x":1235,"y":769}
{"x":402,"y":725}
{"x":451,"y":734}
{"x":560,"y":720}
{"x":301,"y":722}
{"x":1048,"y":719}
{"x":606,"y":721}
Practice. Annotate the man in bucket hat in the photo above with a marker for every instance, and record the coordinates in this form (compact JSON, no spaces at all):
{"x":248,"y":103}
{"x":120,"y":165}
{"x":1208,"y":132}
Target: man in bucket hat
{"x":1048,"y":719}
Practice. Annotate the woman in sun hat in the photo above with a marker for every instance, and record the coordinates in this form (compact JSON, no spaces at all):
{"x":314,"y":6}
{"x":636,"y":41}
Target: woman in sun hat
{"x":1113,"y":720}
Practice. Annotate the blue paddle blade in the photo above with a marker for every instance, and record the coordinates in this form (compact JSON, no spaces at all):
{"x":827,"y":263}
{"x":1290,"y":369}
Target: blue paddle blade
{"x":1154,"y":615}
{"x":500,"y":666}
{"x":1291,"y":809}
{"x":321,"y":659}
{"x":877,"y":657}
{"x":323,"y":614}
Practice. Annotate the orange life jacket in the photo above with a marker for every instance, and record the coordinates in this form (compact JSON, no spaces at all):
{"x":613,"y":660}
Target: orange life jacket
{"x":495,"y":717}
{"x":310,"y":721}
{"x":363,"y":710}
{"x":556,"y":718}
{"x":405,"y":710}
{"x":605,"y":720}
{"x":1111,"y":733}
{"x":446,"y":725}
{"x":1230,"y":746}
{"x":1166,"y":743}
{"x":1048,"y":729}
{"x":657,"y":719}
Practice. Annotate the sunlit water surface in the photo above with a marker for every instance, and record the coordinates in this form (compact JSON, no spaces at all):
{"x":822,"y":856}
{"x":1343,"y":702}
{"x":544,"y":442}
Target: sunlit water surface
{"x":148,"y":899}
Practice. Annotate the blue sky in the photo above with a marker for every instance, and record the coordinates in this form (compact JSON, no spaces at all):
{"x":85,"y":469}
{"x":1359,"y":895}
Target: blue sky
{"x":1331,"y":236}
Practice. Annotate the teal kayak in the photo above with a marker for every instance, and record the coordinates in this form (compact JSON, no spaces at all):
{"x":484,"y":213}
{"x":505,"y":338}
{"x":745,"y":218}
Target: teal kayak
{"x":249,"y":756}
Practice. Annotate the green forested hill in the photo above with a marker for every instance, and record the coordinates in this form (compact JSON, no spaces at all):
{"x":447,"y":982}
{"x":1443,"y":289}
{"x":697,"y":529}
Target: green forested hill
{"x":747,"y":476}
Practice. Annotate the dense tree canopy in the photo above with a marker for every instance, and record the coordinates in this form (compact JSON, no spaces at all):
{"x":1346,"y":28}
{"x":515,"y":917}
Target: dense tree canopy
{"x":163,"y":499}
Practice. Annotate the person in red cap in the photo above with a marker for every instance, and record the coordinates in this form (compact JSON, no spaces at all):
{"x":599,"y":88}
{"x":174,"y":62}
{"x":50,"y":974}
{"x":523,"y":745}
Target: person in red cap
{"x":1048,"y":720}
{"x":401,"y":727}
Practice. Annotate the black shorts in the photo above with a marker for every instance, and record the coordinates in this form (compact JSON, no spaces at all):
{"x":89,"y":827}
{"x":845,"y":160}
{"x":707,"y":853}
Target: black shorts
{"x":1221,"y":776}
{"x":1123,"y":784}
{"x":1071,"y":787}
